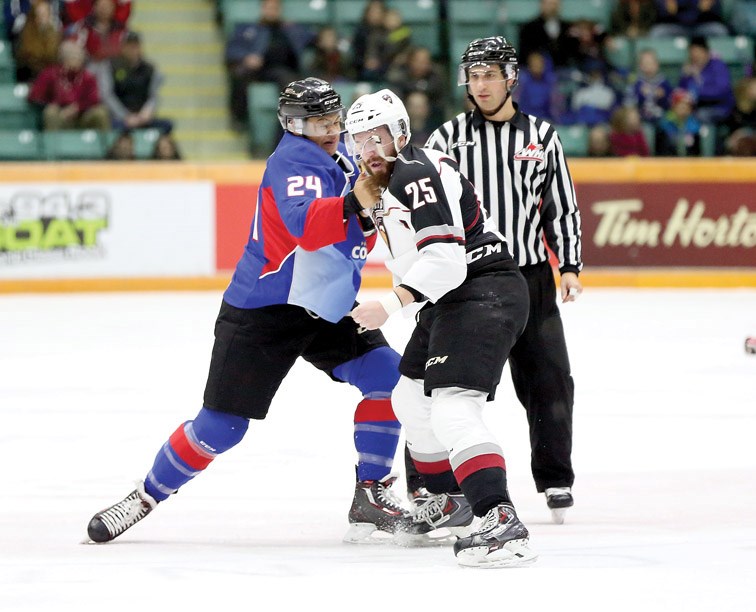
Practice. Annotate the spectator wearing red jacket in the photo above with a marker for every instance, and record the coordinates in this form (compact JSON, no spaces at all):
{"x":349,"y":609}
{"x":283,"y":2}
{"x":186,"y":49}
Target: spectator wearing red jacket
{"x":101,"y":34}
{"x":76,"y":10}
{"x":627,"y":137}
{"x":68,"y":95}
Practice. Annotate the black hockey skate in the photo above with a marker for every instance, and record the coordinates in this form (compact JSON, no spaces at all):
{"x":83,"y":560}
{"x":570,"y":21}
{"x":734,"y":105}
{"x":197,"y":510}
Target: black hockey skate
{"x":442,"y":515}
{"x":501,"y":541}
{"x":558,"y":499}
{"x":376,"y":510}
{"x":108,"y":524}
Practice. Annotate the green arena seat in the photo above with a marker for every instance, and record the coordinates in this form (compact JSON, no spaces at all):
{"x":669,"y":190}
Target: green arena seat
{"x":20,"y":145}
{"x":309,"y":12}
{"x":574,"y":140}
{"x":235,"y":12}
{"x":598,"y":11}
{"x":15,"y":112}
{"x":262,"y":107}
{"x":74,"y":145}
{"x":735,"y":51}
{"x":471,"y":19}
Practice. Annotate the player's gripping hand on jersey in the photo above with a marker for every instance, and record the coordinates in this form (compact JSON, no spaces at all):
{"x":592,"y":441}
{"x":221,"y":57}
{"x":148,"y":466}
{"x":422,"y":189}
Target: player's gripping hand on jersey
{"x":367,"y":191}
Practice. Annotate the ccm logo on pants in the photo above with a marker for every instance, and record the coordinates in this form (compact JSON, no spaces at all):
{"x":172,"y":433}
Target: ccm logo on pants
{"x":435,"y":360}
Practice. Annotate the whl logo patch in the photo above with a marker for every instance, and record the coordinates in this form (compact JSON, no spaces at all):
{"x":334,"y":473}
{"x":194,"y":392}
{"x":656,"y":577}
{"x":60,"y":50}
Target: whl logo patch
{"x":434,"y":360}
{"x":533,"y":152}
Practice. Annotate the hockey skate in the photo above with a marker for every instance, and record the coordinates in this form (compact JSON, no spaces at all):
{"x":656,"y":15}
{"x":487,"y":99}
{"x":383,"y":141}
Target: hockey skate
{"x":108,"y":524}
{"x":501,"y":541}
{"x":438,"y":519}
{"x":376,"y":513}
{"x":558,"y":499}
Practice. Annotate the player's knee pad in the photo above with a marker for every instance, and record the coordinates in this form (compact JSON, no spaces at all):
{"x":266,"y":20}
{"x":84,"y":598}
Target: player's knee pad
{"x":457,"y":418}
{"x":218,"y":431}
{"x":411,"y":406}
{"x":375,"y":373}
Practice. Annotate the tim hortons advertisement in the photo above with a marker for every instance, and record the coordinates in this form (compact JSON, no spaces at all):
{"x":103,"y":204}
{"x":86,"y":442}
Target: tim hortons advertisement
{"x":669,"y":224}
{"x":88,"y":230}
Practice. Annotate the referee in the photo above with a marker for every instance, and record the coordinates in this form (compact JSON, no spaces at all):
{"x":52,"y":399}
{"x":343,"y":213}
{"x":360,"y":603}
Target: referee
{"x":518,"y":167}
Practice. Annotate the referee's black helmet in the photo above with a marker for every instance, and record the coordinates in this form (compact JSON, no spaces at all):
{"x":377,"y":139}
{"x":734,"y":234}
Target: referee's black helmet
{"x":308,"y":97}
{"x":491,"y":50}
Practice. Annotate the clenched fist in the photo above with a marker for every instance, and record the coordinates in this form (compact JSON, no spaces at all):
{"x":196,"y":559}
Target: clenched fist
{"x":367,"y":191}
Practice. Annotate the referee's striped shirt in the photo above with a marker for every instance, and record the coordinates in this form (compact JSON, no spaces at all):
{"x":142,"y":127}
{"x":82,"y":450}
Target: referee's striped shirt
{"x":520,"y":173}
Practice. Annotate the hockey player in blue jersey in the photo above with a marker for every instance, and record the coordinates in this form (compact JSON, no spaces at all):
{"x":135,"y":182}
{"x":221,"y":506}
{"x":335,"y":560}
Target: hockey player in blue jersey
{"x":290,"y":297}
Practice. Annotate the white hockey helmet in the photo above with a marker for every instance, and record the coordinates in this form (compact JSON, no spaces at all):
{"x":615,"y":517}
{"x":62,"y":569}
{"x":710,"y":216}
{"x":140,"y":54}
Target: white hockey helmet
{"x":373,"y":110}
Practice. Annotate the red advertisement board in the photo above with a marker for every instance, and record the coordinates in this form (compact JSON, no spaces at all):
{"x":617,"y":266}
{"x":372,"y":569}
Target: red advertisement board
{"x":668,"y":224}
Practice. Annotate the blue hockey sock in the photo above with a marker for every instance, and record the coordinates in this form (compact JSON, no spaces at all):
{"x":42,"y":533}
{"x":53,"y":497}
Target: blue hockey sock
{"x":191,"y":448}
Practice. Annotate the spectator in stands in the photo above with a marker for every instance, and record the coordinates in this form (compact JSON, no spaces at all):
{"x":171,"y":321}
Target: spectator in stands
{"x":678,"y":131}
{"x":38,"y":42}
{"x":599,"y":144}
{"x":651,"y":89}
{"x":419,"y":73}
{"x":627,"y":137}
{"x":16,"y":14}
{"x":327,"y":61}
{"x":537,"y":92}
{"x":398,"y":38}
{"x":129,"y":87}
{"x":589,"y":39}
{"x":369,"y":43}
{"x":548,"y":33}
{"x":67,"y":93}
{"x":77,"y":10}
{"x":742,"y":122}
{"x":707,"y":79}
{"x":100,"y":34}
{"x":268,"y":51}
{"x":166,"y":149}
{"x":123,"y":147}
{"x":594,"y":102}
{"x":688,"y":18}
{"x":418,"y":108}
{"x":633,"y":18}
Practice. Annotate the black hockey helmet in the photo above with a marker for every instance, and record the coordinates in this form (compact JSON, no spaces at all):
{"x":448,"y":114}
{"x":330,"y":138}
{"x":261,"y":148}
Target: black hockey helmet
{"x":491,"y":50}
{"x":305,"y":98}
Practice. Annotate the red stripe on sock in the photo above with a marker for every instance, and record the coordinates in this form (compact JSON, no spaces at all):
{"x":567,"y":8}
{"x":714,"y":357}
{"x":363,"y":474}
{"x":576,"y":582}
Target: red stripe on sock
{"x":374,"y":410}
{"x":187,"y":452}
{"x":433,"y":467}
{"x":480,"y":462}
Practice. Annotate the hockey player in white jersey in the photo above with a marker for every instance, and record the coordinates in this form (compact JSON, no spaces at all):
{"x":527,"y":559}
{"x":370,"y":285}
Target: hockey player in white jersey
{"x":445,"y":253}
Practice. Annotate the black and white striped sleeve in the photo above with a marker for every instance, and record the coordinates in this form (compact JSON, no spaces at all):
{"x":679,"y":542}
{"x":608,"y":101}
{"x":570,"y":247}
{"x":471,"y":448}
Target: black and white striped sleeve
{"x":559,"y":209}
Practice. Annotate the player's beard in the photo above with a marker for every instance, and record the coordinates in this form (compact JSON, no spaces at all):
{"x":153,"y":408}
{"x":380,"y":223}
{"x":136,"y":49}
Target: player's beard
{"x":383,"y":176}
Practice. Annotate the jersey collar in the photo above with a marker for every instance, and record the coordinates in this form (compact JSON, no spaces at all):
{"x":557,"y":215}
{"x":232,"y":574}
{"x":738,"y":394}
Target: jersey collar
{"x":518,"y":120}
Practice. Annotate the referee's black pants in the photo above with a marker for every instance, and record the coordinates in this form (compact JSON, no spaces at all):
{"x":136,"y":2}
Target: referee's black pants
{"x":540,"y":370}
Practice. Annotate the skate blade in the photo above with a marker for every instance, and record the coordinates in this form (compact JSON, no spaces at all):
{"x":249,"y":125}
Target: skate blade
{"x":366,"y":533}
{"x":558,"y":515}
{"x":513,"y":554}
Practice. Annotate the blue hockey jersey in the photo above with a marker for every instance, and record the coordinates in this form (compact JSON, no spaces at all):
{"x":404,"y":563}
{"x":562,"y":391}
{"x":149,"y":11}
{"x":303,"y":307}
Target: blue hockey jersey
{"x":301,"y":251}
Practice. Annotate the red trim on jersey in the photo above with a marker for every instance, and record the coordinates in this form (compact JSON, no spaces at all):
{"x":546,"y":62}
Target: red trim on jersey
{"x":434,"y":467}
{"x":195,"y":458}
{"x":374,"y":410}
{"x":324,"y":224}
{"x":448,"y":238}
{"x":480,"y":462}
{"x":278,"y":242}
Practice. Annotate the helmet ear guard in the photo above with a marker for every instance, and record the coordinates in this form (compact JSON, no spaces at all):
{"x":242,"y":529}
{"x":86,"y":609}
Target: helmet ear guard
{"x":372,"y":111}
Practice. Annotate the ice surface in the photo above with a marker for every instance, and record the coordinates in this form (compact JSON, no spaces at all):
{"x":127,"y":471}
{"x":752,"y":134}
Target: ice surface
{"x":92,"y":384}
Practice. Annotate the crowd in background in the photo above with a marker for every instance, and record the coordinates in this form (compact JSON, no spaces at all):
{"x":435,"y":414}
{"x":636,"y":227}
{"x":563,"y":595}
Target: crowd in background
{"x":86,"y":70}
{"x":566,"y":74}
